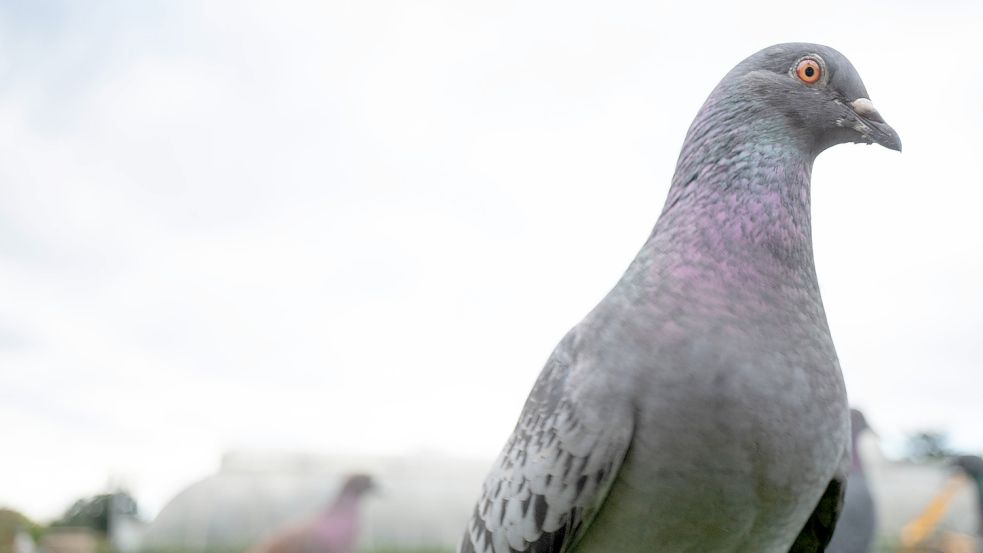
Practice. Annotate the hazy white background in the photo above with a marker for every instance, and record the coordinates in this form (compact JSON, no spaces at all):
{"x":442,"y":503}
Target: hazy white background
{"x":362,"y":226}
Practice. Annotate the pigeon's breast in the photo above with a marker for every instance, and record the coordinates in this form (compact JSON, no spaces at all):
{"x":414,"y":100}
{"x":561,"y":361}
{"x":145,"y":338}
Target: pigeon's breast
{"x":737,"y":434}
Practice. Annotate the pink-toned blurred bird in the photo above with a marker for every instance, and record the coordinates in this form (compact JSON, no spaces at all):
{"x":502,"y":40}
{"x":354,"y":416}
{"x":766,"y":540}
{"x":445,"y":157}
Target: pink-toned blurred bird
{"x":333,"y":530}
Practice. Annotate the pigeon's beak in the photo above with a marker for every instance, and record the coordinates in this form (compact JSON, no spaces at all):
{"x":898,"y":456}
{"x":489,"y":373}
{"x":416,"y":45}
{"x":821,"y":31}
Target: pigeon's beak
{"x":872,"y":127}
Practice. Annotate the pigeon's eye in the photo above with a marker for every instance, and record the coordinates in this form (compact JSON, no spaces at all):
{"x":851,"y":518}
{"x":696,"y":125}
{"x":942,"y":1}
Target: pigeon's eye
{"x":809,"y":71}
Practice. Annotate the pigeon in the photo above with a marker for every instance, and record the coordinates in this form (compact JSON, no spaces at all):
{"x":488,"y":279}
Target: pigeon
{"x":858,"y":523}
{"x":333,"y":530}
{"x":699,"y":407}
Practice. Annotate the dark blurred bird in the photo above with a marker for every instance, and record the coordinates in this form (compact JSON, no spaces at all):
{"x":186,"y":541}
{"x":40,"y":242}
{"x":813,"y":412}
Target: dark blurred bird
{"x":333,"y":530}
{"x":857,"y":526}
{"x":700,"y":406}
{"x":972,"y":466}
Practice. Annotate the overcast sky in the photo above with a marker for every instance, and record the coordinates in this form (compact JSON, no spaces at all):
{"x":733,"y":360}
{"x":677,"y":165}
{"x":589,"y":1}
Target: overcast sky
{"x":362,"y":226}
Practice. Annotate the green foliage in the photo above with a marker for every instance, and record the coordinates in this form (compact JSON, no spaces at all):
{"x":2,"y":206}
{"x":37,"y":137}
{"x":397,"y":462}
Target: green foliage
{"x":94,"y":512}
{"x":396,"y":550}
{"x":193,"y":550}
{"x":10,"y":522}
{"x":928,"y":446}
{"x":373,"y":550}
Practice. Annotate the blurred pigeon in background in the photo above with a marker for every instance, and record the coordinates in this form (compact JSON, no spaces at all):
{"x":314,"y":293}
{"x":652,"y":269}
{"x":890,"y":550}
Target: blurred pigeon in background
{"x":972,"y":466}
{"x":333,"y":530}
{"x":857,"y":526}
{"x":700,"y":406}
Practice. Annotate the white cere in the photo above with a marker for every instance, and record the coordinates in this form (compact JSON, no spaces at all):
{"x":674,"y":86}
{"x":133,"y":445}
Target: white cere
{"x":864,"y":107}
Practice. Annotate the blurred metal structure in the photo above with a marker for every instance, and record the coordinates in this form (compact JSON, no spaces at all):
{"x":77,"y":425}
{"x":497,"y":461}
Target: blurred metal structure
{"x":423,"y":500}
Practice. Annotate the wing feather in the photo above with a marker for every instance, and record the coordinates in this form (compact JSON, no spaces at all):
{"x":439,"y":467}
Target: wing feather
{"x":555,"y":470}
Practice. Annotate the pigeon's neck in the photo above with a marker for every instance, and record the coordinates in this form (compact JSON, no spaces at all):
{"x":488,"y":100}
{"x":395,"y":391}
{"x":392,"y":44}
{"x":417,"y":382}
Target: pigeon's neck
{"x":740,"y":196}
{"x":857,"y":463}
{"x":337,"y":526}
{"x":346,"y":502}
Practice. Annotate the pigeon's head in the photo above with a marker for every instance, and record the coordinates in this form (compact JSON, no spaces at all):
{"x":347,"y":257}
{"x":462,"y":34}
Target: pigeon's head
{"x":808,"y":93}
{"x":972,"y":465}
{"x":357,"y":485}
{"x":858,"y":422}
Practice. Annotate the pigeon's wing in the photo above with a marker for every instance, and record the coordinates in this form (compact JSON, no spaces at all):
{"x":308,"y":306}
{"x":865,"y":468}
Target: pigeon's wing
{"x":556,"y":468}
{"x":818,"y":530}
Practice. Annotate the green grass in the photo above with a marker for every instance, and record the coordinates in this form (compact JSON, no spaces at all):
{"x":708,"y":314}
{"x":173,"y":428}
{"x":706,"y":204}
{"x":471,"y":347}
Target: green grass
{"x":878,"y":548}
{"x":393,"y":550}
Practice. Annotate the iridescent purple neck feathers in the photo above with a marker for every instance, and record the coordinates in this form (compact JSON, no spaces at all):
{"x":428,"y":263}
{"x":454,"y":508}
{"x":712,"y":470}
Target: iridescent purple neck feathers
{"x":741,"y":193}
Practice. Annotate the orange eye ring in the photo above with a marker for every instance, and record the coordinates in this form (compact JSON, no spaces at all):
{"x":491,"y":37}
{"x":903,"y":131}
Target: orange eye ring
{"x":809,"y":71}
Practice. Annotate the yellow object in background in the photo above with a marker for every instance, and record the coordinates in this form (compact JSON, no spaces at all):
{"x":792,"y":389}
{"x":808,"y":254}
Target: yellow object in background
{"x":916,"y":531}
